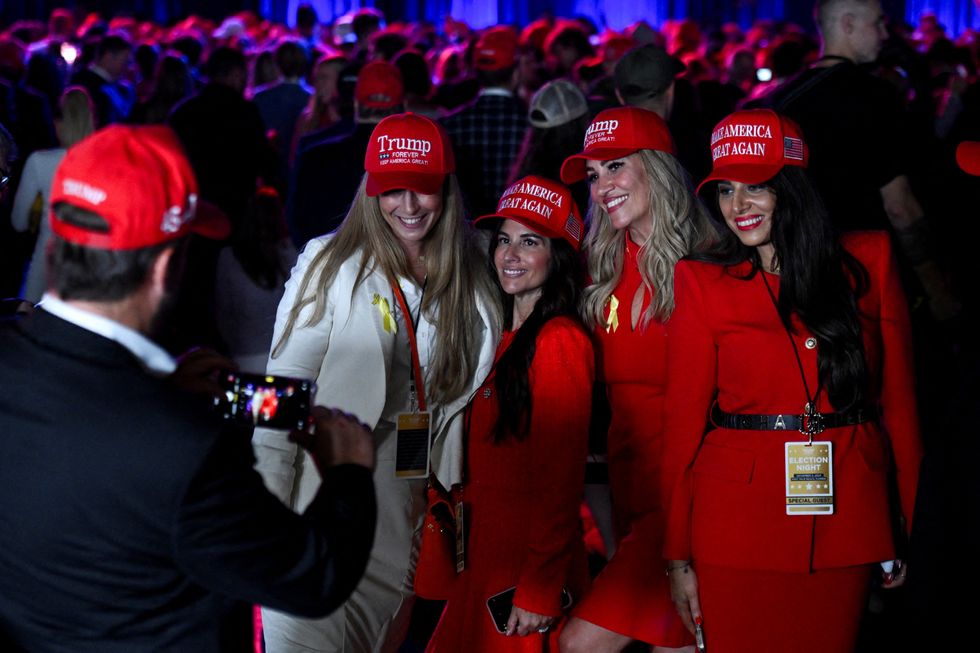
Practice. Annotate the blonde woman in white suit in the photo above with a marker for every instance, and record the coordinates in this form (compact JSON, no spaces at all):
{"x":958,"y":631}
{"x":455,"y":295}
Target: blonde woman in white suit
{"x":399,"y":265}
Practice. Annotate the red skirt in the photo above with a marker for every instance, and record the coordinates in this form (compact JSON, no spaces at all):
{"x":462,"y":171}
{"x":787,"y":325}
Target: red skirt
{"x":755,"y":610}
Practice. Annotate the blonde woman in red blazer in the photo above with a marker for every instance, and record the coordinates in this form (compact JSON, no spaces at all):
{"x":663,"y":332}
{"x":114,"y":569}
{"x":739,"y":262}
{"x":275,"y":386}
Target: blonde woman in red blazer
{"x":781,"y":316}
{"x":643,"y":218}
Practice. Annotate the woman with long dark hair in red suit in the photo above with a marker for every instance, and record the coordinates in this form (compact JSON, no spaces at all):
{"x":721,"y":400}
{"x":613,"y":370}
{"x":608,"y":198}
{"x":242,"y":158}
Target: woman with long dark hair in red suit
{"x":798,"y":344}
{"x":643,"y":218}
{"x":527,"y":436}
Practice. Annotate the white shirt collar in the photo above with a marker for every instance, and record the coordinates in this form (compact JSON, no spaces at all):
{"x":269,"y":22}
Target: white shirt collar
{"x":153,"y":357}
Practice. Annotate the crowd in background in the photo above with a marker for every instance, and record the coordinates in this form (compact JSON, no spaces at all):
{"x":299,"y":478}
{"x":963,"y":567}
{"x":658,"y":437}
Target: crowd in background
{"x":273,"y":118}
{"x":300,"y":81}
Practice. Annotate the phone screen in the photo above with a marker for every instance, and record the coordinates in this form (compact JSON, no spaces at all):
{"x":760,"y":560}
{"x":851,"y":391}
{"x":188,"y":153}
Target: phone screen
{"x":277,"y":402}
{"x":500,"y":606}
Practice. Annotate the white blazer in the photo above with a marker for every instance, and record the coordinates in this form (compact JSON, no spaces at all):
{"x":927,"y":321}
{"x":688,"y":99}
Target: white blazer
{"x":348,"y":354}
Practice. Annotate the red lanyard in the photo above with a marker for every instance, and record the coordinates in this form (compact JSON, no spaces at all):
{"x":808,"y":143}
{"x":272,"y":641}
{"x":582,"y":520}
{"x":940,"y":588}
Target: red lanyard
{"x":418,"y":381}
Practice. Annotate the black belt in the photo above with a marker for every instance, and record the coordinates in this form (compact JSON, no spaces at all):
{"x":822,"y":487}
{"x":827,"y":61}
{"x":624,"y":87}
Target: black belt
{"x":806,"y":424}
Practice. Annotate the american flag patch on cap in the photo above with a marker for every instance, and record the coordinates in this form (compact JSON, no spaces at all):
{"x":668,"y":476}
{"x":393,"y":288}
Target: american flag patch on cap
{"x":574,"y":228}
{"x":793,"y":148}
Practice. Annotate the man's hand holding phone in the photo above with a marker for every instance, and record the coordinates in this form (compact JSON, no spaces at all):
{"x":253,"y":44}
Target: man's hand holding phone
{"x":336,"y":438}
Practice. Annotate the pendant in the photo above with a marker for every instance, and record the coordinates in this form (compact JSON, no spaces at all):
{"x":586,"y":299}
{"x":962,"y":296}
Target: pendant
{"x":811,"y":422}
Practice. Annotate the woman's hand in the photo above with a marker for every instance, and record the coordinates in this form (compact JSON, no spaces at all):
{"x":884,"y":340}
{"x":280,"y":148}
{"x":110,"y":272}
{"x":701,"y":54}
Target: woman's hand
{"x":684,"y":592}
{"x":896,"y":577}
{"x":522,"y":622}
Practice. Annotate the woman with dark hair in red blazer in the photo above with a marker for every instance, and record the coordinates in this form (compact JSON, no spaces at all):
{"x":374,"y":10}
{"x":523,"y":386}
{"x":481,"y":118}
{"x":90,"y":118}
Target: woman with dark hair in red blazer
{"x":797,"y":343}
{"x":527,"y":437}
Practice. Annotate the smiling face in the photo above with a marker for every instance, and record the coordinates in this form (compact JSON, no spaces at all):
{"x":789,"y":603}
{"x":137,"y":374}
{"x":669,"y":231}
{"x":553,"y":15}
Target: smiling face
{"x":621,"y":187}
{"x":748,"y":209}
{"x":411,"y":216}
{"x":522,"y":258}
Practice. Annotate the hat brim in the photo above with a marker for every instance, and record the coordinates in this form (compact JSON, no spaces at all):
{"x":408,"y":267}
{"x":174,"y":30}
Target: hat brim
{"x":968,"y":157}
{"x":573,"y":169}
{"x":493,"y":220}
{"x":382,"y":182}
{"x":744,"y":173}
{"x":210,"y":221}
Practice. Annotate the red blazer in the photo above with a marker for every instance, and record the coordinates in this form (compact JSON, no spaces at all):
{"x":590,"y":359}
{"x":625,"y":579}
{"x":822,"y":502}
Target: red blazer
{"x":728,"y":505}
{"x":523,"y":498}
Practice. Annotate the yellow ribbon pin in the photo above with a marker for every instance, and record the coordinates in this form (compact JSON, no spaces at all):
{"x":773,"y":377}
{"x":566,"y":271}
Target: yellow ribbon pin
{"x":387,"y":319}
{"x":612,"y":320}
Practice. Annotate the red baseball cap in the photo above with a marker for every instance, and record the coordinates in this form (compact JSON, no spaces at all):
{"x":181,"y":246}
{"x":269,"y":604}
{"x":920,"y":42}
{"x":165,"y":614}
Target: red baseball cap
{"x":379,"y":86}
{"x":616,"y":133}
{"x":408,"y":151}
{"x":496,"y":49}
{"x":140,"y":182}
{"x":535,"y":33}
{"x":540,"y":204}
{"x":752,"y":146}
{"x":968,"y":157}
{"x":612,"y":47}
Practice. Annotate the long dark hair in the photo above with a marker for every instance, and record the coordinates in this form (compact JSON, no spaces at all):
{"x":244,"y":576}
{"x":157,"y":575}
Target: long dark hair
{"x":559,"y":297}
{"x":819,"y":281}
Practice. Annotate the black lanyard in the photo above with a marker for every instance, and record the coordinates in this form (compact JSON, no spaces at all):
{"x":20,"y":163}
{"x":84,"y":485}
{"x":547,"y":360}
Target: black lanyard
{"x":810,"y":417}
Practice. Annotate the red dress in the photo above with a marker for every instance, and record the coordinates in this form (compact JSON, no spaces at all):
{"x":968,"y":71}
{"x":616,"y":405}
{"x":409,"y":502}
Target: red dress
{"x":632,"y":594}
{"x":522,"y":499}
{"x":728,"y":510}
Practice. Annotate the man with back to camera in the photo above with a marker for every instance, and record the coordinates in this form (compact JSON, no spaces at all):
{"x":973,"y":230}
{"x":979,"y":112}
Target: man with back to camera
{"x":131,"y":521}
{"x":859,"y":140}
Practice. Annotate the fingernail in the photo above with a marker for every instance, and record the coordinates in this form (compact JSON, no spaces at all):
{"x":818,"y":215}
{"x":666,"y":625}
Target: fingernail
{"x":698,"y":620}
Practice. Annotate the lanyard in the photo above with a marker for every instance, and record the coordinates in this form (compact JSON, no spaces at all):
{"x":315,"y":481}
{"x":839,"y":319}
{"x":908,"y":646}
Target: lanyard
{"x":418,"y":381}
{"x":810,"y":416}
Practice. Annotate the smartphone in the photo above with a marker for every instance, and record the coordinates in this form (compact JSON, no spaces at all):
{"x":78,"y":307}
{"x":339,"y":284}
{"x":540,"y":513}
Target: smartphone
{"x":276,"y":402}
{"x":501,"y":604}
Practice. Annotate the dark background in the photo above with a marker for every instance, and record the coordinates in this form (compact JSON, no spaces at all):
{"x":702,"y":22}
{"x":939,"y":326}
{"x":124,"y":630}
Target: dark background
{"x":957,"y":15}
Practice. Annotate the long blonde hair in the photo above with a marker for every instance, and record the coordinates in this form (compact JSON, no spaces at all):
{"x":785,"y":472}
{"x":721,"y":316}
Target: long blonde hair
{"x":455,"y":276}
{"x":680,"y":226}
{"x":77,"y":118}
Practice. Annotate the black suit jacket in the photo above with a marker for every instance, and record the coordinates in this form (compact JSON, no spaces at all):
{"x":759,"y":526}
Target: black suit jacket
{"x":325,"y":180}
{"x":132,"y":522}
{"x":225,"y":140}
{"x":113,"y":100}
